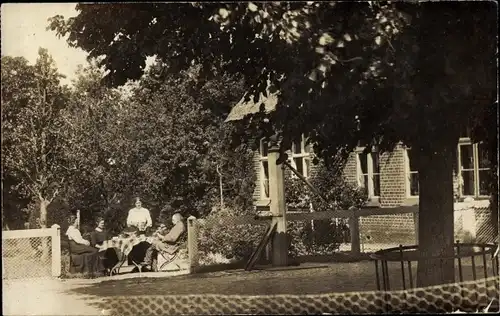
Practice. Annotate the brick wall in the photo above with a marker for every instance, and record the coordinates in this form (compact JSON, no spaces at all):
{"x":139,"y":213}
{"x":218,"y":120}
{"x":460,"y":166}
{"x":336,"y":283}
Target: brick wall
{"x":456,"y":188}
{"x":392,"y":178}
{"x":388,"y":229}
{"x":400,"y":229}
{"x":350,"y":169}
{"x":485,"y":231}
{"x":397,"y":229}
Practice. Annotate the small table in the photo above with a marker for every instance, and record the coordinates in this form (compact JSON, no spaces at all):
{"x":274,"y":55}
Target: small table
{"x":124,"y":246}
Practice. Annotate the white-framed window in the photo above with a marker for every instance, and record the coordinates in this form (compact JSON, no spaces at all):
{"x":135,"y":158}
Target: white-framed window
{"x":412,"y":186}
{"x":299,"y":158}
{"x":368,"y":173}
{"x":473,"y":169}
{"x":264,"y":169}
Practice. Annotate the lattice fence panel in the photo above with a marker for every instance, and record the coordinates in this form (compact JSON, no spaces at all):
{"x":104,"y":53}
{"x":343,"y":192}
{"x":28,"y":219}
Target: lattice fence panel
{"x":27,"y":257}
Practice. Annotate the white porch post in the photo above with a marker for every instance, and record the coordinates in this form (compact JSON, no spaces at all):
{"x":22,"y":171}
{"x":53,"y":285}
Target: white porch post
{"x":56,"y":250}
{"x":192,"y":230}
{"x":277,"y":206}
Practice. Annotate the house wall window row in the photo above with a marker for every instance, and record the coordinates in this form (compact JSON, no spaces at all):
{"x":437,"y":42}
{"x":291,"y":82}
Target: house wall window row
{"x":472,"y":170}
{"x":299,"y":157}
{"x":412,"y":187}
{"x":368,"y":170}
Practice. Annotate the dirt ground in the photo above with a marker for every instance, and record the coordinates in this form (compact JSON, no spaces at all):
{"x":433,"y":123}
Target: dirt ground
{"x":47,"y":296}
{"x":43,"y":297}
{"x":81,"y":297}
{"x":310,"y":278}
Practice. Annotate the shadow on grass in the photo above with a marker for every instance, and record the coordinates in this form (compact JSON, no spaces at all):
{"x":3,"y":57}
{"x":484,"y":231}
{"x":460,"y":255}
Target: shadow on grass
{"x":327,"y":278}
{"x":340,"y":277}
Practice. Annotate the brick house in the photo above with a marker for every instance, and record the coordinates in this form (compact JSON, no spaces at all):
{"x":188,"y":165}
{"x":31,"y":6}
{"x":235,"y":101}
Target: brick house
{"x":390,"y":180}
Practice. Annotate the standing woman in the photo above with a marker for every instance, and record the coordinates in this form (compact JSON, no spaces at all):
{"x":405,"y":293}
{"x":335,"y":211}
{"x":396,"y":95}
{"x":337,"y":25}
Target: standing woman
{"x":139,"y":218}
{"x":87,"y":259}
{"x":97,"y":237}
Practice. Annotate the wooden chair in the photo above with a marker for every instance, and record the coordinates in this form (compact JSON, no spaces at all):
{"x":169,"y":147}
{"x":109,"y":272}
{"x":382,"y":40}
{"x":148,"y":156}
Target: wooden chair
{"x":66,"y":244}
{"x":72,"y":257}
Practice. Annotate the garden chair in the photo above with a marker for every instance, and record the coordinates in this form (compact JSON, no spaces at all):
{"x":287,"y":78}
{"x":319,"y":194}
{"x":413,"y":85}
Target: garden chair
{"x":73,"y":267}
{"x":169,"y":258}
{"x":72,"y":257}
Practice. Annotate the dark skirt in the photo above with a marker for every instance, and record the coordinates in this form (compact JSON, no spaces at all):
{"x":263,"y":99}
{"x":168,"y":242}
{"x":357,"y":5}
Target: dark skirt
{"x":109,"y":258}
{"x":84,"y":259}
{"x":138,"y":253}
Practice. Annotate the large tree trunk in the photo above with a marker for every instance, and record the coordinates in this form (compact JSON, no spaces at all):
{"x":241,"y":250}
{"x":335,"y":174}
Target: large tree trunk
{"x":44,"y":203}
{"x":435,"y":231}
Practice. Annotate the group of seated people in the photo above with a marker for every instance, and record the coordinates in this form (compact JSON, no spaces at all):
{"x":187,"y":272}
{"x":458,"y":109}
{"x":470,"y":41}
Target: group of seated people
{"x":94,"y":257}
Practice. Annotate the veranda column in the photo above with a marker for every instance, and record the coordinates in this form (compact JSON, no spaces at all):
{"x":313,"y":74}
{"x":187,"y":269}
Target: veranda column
{"x":192,"y":230}
{"x":278,"y":207}
{"x":56,"y":250}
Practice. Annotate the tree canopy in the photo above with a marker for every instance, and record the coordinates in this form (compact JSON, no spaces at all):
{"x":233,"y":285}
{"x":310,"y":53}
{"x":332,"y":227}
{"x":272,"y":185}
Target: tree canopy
{"x":93,"y":147}
{"x":33,"y":148}
{"x":345,"y":72}
{"x":345,"y":49}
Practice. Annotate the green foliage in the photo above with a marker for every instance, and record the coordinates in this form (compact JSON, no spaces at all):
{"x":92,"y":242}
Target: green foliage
{"x":346,"y":72}
{"x":162,"y":140}
{"x":233,"y":242}
{"x":12,"y":203}
{"x":238,"y":242}
{"x":179,"y":142}
{"x":355,"y":54}
{"x":163,"y":143}
{"x":321,"y":236}
{"x":34,"y":142}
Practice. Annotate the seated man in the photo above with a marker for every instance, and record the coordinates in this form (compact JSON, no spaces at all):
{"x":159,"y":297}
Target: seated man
{"x":139,"y":218}
{"x":166,"y":243}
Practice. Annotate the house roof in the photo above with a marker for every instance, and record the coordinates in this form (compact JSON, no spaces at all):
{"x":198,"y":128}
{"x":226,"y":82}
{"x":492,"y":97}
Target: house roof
{"x":242,"y":108}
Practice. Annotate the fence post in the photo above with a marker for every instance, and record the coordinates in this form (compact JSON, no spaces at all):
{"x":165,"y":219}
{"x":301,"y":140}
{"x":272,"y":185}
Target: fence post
{"x":415,"y":223}
{"x":56,"y":250}
{"x":354,"y":229}
{"x":192,"y":243}
{"x":278,"y":205}
{"x":78,"y":218}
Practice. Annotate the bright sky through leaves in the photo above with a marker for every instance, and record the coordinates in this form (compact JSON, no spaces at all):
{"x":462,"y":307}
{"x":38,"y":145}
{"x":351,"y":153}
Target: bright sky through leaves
{"x":23,"y":32}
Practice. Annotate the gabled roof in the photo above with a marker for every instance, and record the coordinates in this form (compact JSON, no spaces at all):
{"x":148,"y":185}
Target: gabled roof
{"x":242,"y":108}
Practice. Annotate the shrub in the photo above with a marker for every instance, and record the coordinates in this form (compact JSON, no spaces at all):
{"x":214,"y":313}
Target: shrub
{"x":320,"y":236}
{"x":305,"y":238}
{"x":232,"y":242}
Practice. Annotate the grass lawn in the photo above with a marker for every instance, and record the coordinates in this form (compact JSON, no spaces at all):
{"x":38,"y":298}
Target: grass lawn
{"x":305,"y":279}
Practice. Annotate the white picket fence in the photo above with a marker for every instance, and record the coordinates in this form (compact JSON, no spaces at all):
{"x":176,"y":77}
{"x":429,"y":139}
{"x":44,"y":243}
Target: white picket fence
{"x":31,"y":253}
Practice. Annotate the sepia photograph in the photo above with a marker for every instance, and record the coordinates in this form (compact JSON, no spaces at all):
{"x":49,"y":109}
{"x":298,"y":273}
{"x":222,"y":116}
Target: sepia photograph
{"x":250,"y":158}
